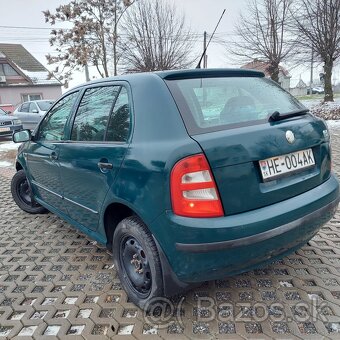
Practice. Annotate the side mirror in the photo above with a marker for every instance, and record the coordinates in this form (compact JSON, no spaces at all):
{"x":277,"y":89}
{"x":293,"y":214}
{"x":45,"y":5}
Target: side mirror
{"x":35,"y":111}
{"x":22,"y":136}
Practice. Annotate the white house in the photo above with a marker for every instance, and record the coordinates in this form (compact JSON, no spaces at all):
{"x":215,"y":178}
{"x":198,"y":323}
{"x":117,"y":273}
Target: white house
{"x":23,"y":78}
{"x":258,"y":65}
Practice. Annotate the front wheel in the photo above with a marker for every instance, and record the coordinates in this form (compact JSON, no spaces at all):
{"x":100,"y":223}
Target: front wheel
{"x":22,"y":195}
{"x":136,"y":258}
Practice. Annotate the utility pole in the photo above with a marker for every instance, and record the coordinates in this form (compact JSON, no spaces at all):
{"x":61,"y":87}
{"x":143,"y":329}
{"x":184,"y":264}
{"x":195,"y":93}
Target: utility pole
{"x":311,"y":72}
{"x":115,"y":41}
{"x":87,"y":73}
{"x":86,"y":66}
{"x":205,"y":57}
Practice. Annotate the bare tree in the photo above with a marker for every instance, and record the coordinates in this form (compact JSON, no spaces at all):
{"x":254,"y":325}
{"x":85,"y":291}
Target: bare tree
{"x":91,"y":39}
{"x":317,"y":23}
{"x":261,"y":33}
{"x":155,"y":38}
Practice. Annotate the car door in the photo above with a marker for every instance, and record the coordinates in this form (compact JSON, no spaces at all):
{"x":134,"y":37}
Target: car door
{"x":90,"y":160}
{"x":22,"y":113}
{"x":42,"y":156}
{"x":33,"y":116}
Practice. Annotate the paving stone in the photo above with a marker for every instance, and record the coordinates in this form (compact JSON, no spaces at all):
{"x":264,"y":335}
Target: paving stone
{"x":55,"y":282}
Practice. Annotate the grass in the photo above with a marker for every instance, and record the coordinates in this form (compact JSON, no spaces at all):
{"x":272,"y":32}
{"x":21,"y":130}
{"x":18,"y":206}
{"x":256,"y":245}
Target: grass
{"x":315,"y":96}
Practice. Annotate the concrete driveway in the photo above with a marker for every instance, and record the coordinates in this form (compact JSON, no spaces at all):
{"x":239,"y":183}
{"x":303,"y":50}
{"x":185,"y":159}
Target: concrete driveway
{"x":57,"y":283}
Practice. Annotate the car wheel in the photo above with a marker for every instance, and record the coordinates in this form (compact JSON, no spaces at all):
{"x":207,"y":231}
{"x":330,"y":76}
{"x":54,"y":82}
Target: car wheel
{"x":136,"y":258}
{"x":21,"y":192}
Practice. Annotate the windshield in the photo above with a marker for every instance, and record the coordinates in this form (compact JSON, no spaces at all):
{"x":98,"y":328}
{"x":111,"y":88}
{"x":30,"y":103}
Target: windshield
{"x":2,"y":112}
{"x":211,"y":104}
{"x":45,"y":105}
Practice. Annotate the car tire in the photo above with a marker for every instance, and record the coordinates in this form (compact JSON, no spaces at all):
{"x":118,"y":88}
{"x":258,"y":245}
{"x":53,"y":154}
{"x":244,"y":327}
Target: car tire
{"x":21,"y":193}
{"x":136,"y":258}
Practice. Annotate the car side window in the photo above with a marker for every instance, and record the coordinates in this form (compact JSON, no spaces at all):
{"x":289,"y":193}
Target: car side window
{"x":33,"y":107}
{"x":93,"y":113}
{"x":119,"y":123}
{"x":53,"y":125}
{"x":24,"y":107}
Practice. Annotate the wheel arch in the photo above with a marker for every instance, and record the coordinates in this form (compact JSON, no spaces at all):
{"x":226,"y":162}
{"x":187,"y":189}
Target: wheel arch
{"x":18,"y":166}
{"x":114,"y":213}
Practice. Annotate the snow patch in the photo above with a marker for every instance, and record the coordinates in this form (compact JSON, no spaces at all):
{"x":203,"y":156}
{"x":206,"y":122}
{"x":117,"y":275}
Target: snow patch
{"x":17,"y":316}
{"x":4,"y":331}
{"x":28,"y":331}
{"x":70,"y":300}
{"x":52,"y":330}
{"x":125,"y":330}
{"x":5,"y":164}
{"x":76,"y":330}
{"x":335,"y":327}
{"x":84,"y":313}
{"x":316,"y":102}
{"x":39,"y":77}
{"x":62,"y":314}
{"x":327,"y":111}
{"x":9,"y":146}
{"x":49,"y":301}
{"x":333,"y":123}
{"x":150,"y":330}
{"x":313,"y":296}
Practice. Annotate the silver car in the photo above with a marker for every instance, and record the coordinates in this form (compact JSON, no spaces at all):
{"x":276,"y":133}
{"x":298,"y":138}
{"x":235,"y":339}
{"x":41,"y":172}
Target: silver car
{"x":31,"y":113}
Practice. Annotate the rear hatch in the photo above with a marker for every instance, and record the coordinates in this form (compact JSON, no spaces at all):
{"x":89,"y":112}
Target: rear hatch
{"x":259,"y":155}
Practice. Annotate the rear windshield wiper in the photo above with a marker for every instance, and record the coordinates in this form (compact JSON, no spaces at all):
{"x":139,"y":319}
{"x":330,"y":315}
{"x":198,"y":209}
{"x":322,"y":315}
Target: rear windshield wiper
{"x":276,"y":115}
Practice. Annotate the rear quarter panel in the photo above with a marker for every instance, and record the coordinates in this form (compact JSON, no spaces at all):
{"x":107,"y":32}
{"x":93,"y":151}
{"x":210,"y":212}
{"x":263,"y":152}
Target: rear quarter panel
{"x":159,"y":140}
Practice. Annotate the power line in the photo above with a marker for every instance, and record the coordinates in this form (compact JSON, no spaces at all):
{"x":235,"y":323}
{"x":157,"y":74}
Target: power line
{"x":31,"y":27}
{"x":230,"y":33}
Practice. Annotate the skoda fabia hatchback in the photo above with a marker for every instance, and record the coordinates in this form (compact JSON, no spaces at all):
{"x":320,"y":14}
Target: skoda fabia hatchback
{"x":186,"y":176}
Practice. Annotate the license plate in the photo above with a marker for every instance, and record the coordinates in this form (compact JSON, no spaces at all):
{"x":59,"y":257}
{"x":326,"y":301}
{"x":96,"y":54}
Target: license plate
{"x":5,"y":129}
{"x":278,"y":166}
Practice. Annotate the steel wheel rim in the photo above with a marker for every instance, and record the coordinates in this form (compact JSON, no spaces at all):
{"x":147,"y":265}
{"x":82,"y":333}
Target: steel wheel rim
{"x":24,"y":192}
{"x":136,"y":265}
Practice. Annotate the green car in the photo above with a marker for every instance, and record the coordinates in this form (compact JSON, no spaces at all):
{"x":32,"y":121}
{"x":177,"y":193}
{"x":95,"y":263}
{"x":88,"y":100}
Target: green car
{"x":186,"y":176}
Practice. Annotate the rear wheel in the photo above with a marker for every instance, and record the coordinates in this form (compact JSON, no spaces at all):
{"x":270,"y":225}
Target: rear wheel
{"x":22,"y":195}
{"x":137,"y":261}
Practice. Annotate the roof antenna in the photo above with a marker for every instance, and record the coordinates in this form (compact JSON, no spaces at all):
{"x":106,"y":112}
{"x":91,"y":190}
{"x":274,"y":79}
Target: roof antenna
{"x":205,"y":50}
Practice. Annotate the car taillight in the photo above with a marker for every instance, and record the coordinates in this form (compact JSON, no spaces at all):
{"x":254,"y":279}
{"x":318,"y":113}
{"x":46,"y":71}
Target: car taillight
{"x":193,"y":189}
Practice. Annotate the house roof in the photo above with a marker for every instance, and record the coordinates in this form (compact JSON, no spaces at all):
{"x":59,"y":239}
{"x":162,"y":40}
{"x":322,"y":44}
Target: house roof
{"x":264,"y":66}
{"x":299,"y":84}
{"x":27,"y":64}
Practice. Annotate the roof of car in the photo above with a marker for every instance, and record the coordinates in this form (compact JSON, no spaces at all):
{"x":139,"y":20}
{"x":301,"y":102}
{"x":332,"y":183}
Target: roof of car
{"x":39,"y":100}
{"x":180,"y":74}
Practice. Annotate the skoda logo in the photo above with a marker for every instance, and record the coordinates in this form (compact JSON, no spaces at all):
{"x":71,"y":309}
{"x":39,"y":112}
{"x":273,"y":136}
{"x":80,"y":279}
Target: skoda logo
{"x":290,"y":137}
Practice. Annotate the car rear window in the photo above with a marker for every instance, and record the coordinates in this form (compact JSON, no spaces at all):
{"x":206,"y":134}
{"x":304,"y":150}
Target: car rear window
{"x":212,"y":104}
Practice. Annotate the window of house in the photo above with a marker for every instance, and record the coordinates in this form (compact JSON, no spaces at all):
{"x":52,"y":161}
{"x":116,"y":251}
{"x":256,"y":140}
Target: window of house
{"x":29,"y":97}
{"x":93,"y":114}
{"x":9,"y":70}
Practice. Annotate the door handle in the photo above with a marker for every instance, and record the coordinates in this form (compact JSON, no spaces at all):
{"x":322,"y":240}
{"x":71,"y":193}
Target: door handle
{"x":53,"y":156}
{"x":105,"y":166}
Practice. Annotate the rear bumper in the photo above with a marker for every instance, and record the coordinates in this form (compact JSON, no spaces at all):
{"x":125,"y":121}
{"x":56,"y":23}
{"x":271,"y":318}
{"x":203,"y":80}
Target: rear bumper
{"x":323,"y":214}
{"x":208,"y":249}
